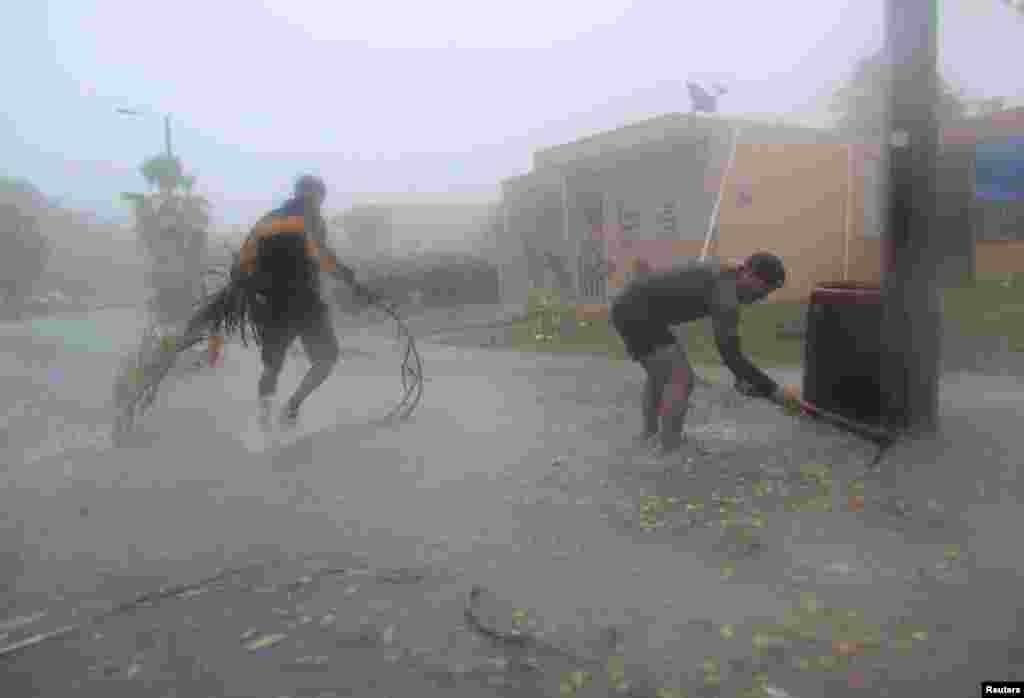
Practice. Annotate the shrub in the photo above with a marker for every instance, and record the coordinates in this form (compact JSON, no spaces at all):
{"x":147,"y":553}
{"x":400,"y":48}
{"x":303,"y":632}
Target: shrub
{"x":547,"y":311}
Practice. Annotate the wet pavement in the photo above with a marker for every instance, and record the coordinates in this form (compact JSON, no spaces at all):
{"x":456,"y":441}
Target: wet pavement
{"x":772,"y":562}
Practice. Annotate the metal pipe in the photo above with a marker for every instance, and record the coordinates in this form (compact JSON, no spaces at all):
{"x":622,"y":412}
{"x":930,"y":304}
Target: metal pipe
{"x":848,"y":212}
{"x":721,"y":193}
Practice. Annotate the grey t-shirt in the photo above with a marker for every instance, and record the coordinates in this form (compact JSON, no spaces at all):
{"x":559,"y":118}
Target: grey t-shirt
{"x":648,"y":307}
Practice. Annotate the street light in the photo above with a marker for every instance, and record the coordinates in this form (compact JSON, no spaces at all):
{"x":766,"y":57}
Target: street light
{"x":167,"y":126}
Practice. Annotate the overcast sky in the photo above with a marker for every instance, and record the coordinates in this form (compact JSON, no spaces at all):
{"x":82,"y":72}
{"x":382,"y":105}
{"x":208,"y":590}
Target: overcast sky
{"x":400,"y":96}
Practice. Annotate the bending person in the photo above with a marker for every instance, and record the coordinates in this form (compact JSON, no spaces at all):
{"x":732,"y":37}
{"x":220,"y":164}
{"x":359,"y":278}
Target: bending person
{"x":648,"y":307}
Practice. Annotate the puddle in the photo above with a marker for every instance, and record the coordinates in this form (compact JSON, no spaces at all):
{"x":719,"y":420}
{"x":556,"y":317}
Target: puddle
{"x":80,"y":334}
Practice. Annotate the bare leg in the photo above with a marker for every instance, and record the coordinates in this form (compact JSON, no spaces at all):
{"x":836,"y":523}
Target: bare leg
{"x":321,"y":347}
{"x":267,"y":389}
{"x":268,"y":381}
{"x":272,"y":352}
{"x":318,"y":372}
{"x":273,"y":362}
{"x":676,"y":400}
{"x":659,"y":371}
{"x":651,"y":397}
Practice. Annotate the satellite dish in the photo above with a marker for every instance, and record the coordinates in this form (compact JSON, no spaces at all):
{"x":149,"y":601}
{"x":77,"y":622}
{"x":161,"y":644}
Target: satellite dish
{"x":702,"y":100}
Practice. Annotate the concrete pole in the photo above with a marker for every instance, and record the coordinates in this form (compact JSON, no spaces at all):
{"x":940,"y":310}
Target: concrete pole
{"x":911,"y":325}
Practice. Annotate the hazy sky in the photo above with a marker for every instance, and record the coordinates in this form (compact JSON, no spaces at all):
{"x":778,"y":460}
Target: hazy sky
{"x":390,"y":96}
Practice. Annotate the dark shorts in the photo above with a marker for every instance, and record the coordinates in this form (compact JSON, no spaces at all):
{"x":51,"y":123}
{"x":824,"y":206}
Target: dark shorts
{"x":641,"y":336}
{"x":308,"y":322}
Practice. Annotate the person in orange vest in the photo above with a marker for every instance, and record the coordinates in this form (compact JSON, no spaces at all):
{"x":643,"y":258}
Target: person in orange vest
{"x":279,"y":266}
{"x":649,"y":306}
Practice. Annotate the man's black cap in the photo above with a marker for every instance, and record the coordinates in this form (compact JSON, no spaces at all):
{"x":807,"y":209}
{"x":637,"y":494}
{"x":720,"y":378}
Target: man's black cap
{"x":768,"y":268}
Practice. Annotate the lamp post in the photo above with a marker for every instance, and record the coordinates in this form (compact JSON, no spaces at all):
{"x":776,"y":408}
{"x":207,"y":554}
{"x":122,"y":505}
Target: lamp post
{"x":167,"y":127}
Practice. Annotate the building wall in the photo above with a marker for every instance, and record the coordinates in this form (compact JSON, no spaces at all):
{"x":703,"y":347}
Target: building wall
{"x":866,"y":224}
{"x":791,"y":191}
{"x":529,"y":230}
{"x":789,"y":200}
{"x":368,"y":229}
{"x":952,"y":230}
{"x":655,"y":190}
{"x":649,"y":188}
{"x":661,"y":194}
{"x":398,"y":228}
{"x":662,"y":128}
{"x":636,"y":204}
{"x":669,"y":254}
{"x":448,"y":227}
{"x":676,"y":127}
{"x":958,"y":236}
{"x":1003,"y":124}
{"x":994,"y":258}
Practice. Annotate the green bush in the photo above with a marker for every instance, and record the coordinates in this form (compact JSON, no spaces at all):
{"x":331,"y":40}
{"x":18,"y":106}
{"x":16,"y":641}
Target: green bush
{"x":546,"y":312}
{"x":759,"y":332}
{"x":989,"y":307}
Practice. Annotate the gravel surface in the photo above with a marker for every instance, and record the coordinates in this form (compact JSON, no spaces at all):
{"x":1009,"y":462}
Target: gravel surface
{"x":768,"y":559}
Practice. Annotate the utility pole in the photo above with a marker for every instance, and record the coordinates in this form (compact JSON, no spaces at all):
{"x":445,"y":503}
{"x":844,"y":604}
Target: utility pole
{"x":911,"y":325}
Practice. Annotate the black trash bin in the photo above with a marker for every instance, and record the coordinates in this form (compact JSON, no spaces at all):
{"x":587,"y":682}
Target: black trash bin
{"x":843,"y":351}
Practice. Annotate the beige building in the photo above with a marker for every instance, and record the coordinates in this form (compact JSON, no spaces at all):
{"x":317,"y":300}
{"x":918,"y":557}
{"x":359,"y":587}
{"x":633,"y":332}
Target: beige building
{"x":590,"y":210}
{"x":648,"y":190}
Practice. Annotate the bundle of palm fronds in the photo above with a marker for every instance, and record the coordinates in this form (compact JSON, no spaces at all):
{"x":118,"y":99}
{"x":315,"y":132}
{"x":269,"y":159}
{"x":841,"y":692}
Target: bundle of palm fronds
{"x":225,"y":312}
{"x":140,"y":375}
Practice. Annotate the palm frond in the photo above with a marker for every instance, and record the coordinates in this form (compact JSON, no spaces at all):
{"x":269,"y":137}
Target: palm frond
{"x":133,"y":198}
{"x":228,"y":312}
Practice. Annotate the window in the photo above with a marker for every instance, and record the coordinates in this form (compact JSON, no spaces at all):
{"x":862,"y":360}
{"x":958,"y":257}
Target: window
{"x":999,"y":170}
{"x":592,"y":267}
{"x":999,"y":187}
{"x":629,"y":219}
{"x":667,"y":221}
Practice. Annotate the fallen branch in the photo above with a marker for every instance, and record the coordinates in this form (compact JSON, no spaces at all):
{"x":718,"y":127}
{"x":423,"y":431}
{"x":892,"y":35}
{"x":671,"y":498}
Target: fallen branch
{"x":138,"y":602}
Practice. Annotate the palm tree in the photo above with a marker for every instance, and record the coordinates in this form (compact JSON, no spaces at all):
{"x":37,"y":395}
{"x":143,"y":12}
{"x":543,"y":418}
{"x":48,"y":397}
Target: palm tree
{"x":164,"y":172}
{"x":172,"y":226}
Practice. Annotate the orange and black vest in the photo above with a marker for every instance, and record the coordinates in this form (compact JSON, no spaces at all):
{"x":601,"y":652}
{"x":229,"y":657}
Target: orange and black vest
{"x":282,"y":258}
